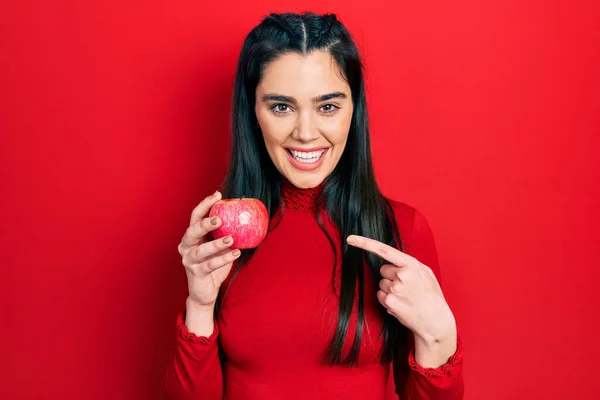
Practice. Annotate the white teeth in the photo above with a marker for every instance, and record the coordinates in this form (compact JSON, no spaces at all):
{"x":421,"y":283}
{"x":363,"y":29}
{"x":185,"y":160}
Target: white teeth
{"x":307,"y":156}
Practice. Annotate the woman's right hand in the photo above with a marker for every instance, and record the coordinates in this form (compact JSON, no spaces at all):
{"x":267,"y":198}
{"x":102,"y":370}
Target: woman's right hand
{"x":207,"y":262}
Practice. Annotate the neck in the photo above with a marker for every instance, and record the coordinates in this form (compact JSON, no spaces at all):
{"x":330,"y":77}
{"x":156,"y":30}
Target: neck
{"x":295,"y":198}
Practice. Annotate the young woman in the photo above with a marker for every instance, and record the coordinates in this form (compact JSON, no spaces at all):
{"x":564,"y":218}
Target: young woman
{"x":341,"y":300}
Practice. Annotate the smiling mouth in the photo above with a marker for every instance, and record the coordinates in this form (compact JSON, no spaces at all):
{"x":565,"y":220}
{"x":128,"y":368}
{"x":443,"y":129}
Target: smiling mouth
{"x":307,"y":157}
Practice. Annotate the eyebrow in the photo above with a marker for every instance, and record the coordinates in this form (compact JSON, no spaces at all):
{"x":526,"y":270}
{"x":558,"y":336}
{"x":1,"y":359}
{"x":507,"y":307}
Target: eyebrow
{"x":288,"y":99}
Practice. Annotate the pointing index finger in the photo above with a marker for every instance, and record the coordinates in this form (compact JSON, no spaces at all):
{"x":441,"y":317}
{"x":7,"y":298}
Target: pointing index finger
{"x":382,"y":250}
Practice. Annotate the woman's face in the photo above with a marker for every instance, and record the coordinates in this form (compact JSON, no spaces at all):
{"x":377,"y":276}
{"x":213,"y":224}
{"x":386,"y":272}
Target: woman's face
{"x":304,"y":109}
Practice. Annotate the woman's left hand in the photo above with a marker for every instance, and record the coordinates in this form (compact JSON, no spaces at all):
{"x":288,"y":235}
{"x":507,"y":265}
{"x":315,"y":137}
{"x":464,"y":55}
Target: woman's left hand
{"x":410,"y":292}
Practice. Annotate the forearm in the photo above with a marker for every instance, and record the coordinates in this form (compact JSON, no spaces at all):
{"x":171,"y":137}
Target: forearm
{"x":194,"y":371}
{"x":199,"y":320}
{"x":435,"y":354}
{"x":434,"y":351}
{"x":434,"y":377}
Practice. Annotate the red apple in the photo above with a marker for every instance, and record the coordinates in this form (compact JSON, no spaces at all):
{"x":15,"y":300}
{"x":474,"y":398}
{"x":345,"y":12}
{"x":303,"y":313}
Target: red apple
{"x":246,"y":220}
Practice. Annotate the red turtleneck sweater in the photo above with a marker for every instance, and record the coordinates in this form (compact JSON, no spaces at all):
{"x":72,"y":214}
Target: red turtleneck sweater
{"x":280,"y":315}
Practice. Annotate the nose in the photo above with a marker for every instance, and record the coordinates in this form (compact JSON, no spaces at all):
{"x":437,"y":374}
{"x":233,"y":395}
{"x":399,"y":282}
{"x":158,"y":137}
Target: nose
{"x":305,"y":130}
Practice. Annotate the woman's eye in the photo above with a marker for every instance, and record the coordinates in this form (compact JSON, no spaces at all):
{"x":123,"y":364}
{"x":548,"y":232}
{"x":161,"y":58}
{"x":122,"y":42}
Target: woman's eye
{"x":329,"y":108}
{"x":280,"y":108}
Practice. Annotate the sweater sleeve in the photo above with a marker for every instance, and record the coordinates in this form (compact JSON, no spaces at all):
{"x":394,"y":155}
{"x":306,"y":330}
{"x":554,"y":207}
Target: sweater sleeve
{"x":194,"y":371}
{"x":414,"y":382}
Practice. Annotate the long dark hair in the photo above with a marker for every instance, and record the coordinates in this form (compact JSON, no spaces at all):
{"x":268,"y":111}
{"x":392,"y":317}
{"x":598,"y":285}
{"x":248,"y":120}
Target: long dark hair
{"x":350,"y":195}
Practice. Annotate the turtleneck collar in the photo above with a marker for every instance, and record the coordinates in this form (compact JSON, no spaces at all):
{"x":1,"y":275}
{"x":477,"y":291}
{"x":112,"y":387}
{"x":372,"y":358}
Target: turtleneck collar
{"x":299,"y":199}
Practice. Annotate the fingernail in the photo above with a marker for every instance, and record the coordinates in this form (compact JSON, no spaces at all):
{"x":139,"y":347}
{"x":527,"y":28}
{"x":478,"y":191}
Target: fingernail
{"x":236,"y":253}
{"x":214,"y":221}
{"x":215,"y":194}
{"x":227,"y":240}
{"x":351,"y":239}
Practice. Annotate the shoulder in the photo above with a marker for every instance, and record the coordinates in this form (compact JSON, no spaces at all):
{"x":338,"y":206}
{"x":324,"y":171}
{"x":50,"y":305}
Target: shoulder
{"x":415,"y":234}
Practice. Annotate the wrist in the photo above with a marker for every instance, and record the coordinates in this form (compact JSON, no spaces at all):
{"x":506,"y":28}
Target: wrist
{"x":195,"y":307}
{"x":445,"y":332}
{"x":432,"y":350}
{"x":199,"y":319}
{"x":434,"y":343}
{"x":434,"y":354}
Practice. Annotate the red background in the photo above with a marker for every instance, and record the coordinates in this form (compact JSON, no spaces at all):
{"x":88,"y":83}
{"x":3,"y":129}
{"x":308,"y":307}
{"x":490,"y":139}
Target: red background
{"x":114,"y":124}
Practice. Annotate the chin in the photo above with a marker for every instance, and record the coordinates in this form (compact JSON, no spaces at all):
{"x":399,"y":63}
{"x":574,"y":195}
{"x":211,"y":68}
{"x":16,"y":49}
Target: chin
{"x":304,"y":182}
